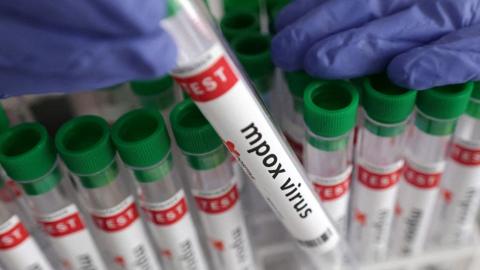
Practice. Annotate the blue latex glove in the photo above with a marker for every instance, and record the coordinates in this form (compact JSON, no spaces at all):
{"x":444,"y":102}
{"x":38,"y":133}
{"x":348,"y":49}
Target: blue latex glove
{"x":421,"y":43}
{"x":68,"y":45}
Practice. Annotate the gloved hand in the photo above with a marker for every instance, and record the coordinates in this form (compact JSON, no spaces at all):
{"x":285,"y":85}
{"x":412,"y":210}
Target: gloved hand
{"x":421,"y":43}
{"x":68,"y":45}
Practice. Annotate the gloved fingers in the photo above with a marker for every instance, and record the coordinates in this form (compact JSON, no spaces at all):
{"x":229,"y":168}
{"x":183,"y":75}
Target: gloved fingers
{"x":35,"y":60}
{"x":453,"y":59}
{"x":293,"y":11}
{"x":95,"y":17}
{"x":368,"y":49}
{"x":290,"y":45}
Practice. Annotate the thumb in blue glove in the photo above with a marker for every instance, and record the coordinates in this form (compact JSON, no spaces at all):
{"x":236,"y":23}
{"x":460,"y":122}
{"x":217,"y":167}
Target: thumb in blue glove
{"x":430,"y":38}
{"x":50,"y":46}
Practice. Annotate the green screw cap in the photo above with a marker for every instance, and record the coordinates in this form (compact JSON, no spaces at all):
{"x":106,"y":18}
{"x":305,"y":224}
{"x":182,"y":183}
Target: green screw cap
{"x":152,"y":87}
{"x":447,"y":102}
{"x":297,"y":82}
{"x":4,"y":121}
{"x":26,"y":152}
{"x":248,"y":5}
{"x":239,"y":22}
{"x":84,"y":145}
{"x":193,"y":133}
{"x":330,"y":108}
{"x":385,"y":102}
{"x":253,"y":52}
{"x":141,"y":138}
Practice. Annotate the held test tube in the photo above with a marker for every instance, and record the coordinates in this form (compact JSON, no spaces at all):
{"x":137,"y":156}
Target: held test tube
{"x":214,"y":188}
{"x":143,"y":143}
{"x":425,"y":156}
{"x":207,"y":72}
{"x":379,"y":164}
{"x":460,"y":186}
{"x":29,"y":158}
{"x":18,"y":249}
{"x":330,"y":114}
{"x":86,"y":149}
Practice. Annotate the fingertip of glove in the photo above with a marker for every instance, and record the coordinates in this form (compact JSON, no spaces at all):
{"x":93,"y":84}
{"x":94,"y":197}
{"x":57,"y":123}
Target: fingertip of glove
{"x":408,"y":71}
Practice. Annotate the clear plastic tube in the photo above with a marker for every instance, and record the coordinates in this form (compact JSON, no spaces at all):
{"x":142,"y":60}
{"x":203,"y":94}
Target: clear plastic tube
{"x":64,"y":225}
{"x":16,"y":242}
{"x":328,"y":164}
{"x":378,"y":167}
{"x":115,"y":214}
{"x":218,"y":201}
{"x":164,"y":202}
{"x":425,"y":157}
{"x":460,"y":188}
{"x":207,"y":72}
{"x":293,"y":125}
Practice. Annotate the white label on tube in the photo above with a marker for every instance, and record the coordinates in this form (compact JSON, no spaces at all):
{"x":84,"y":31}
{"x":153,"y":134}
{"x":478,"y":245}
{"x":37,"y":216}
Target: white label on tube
{"x":124,"y":238}
{"x":460,"y":192}
{"x":415,"y":205}
{"x":334,"y":192}
{"x":221,"y":214}
{"x":175,"y":234}
{"x":71,"y":240}
{"x":373,"y":208}
{"x":224,"y":98}
{"x":18,"y":250}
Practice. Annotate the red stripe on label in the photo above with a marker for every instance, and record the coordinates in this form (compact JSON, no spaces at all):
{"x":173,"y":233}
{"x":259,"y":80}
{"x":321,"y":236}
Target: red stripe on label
{"x":218,"y":204}
{"x":63,"y":226}
{"x":13,"y":237}
{"x":375,"y":180}
{"x":333,"y":192}
{"x":118,"y":221}
{"x":464,"y":155}
{"x":421,"y":179}
{"x":211,"y":83}
{"x":168,"y":216}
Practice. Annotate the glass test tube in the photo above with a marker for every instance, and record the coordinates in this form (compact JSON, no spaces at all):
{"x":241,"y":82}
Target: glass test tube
{"x":207,"y":72}
{"x":85,"y":147}
{"x":425,"y":157}
{"x":143,"y":143}
{"x":379,"y":163}
{"x":29,"y":158}
{"x":460,"y":186}
{"x":330,"y":114}
{"x":214,"y":188}
{"x":16,"y":241}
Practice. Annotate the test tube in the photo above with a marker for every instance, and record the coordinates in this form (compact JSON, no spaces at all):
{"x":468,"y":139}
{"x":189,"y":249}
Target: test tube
{"x":460,"y":187}
{"x":143,"y":143}
{"x":379,"y":162}
{"x":436,"y":115}
{"x":292,"y":122}
{"x":330,"y":114}
{"x":86,"y":149}
{"x":253,"y":52}
{"x":29,"y":158}
{"x":206,"y":71}
{"x":214,"y":188}
{"x":18,"y":249}
{"x":239,"y":22}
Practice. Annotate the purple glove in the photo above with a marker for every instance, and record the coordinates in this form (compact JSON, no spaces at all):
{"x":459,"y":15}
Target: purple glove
{"x":68,"y":45}
{"x":422,"y":43}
